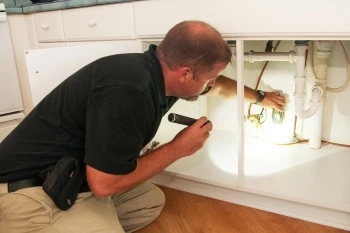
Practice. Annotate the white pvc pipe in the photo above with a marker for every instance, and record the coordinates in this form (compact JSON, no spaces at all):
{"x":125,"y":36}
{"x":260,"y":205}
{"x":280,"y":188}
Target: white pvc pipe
{"x":269,"y":56}
{"x":316,"y":128}
{"x":299,"y":94}
{"x":315,"y":102}
{"x":316,"y":121}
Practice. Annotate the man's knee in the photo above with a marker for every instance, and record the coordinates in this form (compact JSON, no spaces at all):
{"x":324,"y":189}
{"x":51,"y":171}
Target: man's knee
{"x":139,"y":206}
{"x":143,"y":196}
{"x":159,"y":197}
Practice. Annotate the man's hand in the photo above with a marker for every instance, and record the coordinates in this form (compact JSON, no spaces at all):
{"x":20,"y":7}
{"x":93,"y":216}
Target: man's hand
{"x":273,"y":100}
{"x":192,"y":138}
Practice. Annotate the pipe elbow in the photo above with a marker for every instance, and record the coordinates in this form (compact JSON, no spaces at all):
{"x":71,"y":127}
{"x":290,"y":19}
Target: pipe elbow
{"x":314,"y":104}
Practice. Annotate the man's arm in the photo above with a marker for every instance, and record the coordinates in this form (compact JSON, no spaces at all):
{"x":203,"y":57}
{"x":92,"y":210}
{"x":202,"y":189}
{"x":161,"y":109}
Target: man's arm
{"x":185,"y":143}
{"x":227,"y":88}
{"x":103,"y":184}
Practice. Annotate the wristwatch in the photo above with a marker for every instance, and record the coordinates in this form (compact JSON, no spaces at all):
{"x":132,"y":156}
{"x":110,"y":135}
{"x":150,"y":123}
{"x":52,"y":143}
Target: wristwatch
{"x":261,"y":96}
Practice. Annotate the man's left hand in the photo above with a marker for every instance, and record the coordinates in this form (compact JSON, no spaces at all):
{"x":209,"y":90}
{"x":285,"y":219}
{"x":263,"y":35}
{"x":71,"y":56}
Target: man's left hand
{"x":273,"y":100}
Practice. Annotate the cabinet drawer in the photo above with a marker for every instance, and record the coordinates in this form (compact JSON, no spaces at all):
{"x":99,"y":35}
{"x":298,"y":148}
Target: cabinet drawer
{"x":101,"y":22}
{"x":48,"y":26}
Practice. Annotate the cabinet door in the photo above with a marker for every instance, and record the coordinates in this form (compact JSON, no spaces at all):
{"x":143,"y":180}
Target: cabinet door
{"x":10,"y":93}
{"x":49,"y":67}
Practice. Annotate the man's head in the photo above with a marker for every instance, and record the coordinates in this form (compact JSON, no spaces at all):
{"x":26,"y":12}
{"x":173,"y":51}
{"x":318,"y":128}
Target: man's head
{"x":192,"y":55}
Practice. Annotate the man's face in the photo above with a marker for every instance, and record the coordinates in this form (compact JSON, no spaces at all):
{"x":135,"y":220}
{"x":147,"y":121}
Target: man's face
{"x":195,"y":86}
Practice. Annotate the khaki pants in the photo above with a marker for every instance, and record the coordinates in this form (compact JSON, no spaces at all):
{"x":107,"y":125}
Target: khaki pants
{"x":32,"y":210}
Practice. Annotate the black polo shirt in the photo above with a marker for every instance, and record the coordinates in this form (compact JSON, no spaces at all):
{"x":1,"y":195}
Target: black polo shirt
{"x":105,"y":113}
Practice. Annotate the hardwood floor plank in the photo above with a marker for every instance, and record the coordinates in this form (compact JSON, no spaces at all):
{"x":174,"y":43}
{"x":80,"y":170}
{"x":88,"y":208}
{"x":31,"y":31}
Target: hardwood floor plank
{"x":190,"y":213}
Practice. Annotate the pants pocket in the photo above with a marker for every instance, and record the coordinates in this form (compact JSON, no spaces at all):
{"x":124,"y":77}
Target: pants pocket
{"x":28,"y":205}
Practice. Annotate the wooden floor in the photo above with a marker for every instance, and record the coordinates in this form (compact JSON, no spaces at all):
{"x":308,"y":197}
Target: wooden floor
{"x":190,"y":213}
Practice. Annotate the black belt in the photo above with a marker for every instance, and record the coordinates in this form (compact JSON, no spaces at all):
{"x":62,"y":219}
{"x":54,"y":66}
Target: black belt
{"x":21,"y":184}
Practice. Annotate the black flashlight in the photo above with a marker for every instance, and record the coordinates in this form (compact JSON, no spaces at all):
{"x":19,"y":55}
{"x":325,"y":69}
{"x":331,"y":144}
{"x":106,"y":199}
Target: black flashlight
{"x":183,"y":120}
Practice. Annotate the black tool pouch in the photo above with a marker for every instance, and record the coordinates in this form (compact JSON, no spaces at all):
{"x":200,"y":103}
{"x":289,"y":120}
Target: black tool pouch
{"x":63,"y":181}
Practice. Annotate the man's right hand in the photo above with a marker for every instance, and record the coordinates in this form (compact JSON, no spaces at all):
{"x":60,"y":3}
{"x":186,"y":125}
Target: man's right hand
{"x":192,"y":138}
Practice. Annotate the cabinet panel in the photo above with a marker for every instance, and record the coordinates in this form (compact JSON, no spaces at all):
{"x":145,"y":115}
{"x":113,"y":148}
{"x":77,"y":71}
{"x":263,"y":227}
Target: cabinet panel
{"x":49,"y":67}
{"x":101,"y":22}
{"x":245,"y":18}
{"x":48,"y":26}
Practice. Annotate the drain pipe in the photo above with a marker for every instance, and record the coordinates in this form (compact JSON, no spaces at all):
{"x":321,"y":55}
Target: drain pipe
{"x":300,"y":79}
{"x":323,"y":52}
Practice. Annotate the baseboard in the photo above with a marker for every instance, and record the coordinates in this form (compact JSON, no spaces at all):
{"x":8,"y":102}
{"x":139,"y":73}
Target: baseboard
{"x":320,"y":215}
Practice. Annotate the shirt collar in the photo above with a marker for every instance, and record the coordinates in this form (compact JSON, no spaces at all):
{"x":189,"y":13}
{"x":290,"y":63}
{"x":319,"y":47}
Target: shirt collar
{"x":157,"y":74}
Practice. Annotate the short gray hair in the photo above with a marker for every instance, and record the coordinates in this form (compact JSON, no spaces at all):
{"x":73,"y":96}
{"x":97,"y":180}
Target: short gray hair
{"x":195,"y":44}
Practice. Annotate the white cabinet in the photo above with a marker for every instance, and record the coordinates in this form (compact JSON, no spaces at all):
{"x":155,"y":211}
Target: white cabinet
{"x":48,"y":26}
{"x":300,"y":183}
{"x":98,"y":23}
{"x":246,"y":19}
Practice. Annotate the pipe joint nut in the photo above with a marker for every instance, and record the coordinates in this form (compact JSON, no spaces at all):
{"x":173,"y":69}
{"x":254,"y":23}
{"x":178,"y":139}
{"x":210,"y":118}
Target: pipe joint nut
{"x":323,"y":55}
{"x":319,"y":87}
{"x":300,"y":49}
{"x":299,"y":95}
{"x":314,"y":103}
{"x":320,"y":81}
{"x":299,"y":79}
{"x":291,"y":56}
{"x":250,"y":56}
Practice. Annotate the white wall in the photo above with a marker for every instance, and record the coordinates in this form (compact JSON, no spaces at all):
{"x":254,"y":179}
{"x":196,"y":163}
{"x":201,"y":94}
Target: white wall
{"x":279,"y":76}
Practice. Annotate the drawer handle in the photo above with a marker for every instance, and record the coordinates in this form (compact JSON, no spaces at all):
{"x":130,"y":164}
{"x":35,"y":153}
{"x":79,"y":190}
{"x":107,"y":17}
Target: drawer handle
{"x":45,"y":26}
{"x":91,"y":23}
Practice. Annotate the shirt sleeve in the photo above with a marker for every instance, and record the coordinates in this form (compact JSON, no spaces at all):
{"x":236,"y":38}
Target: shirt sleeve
{"x":118,"y":120}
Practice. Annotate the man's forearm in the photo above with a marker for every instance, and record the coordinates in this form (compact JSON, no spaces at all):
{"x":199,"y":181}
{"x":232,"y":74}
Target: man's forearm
{"x":227,"y":88}
{"x":147,"y":166}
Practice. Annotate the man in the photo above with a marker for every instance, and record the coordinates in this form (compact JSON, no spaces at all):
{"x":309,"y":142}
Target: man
{"x":105,"y":114}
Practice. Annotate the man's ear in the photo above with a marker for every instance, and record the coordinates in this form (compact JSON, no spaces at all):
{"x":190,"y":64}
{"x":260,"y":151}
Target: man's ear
{"x":185,"y":73}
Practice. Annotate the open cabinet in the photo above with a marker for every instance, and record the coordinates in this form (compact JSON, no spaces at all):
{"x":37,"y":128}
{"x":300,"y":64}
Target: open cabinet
{"x":238,"y":163}
{"x":264,"y":167}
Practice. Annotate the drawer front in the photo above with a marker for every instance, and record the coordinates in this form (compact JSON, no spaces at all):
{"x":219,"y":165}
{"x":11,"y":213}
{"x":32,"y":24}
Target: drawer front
{"x":48,"y":26}
{"x":101,"y":22}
